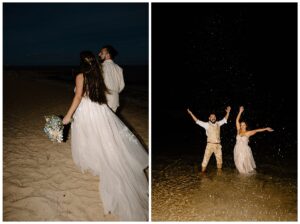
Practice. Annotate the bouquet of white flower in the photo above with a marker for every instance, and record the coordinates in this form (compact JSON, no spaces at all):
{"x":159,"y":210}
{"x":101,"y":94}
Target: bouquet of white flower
{"x":54,"y":128}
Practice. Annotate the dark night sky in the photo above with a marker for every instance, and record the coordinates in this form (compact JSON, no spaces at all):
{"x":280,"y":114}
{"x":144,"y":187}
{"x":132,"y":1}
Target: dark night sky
{"x":206,"y":56}
{"x":55,"y":33}
{"x":224,"y":44}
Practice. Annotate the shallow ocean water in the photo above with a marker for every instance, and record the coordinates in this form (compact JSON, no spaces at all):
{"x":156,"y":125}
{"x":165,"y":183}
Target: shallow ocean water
{"x":181,"y":193}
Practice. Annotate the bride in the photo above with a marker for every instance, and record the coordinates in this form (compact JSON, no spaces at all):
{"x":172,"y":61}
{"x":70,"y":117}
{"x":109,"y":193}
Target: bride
{"x":243,"y":157}
{"x":101,"y":143}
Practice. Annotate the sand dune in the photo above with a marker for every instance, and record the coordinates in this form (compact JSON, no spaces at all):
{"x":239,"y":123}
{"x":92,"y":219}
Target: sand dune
{"x":40,"y":180}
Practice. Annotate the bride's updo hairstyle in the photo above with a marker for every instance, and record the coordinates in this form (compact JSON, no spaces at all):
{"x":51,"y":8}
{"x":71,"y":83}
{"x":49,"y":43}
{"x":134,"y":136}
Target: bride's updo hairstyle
{"x":94,"y":85}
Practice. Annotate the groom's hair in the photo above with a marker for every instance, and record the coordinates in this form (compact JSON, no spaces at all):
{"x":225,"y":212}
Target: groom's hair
{"x":212,"y":113}
{"x":111,"y":50}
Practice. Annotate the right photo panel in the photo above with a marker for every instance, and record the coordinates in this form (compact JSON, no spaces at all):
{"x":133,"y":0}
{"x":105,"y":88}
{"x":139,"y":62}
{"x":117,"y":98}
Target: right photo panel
{"x":224,"y":111}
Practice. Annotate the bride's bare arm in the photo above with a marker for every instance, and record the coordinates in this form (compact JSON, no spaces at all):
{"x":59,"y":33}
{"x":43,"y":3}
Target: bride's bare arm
{"x":253,"y":132}
{"x":237,"y":121}
{"x":76,"y":100}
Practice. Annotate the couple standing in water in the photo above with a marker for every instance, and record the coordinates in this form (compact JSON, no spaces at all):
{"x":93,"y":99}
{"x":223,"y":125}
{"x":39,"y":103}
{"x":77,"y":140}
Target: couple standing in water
{"x":243,"y":157}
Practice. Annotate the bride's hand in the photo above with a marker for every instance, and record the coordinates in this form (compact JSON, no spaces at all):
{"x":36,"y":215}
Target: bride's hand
{"x":66,"y":120}
{"x":241,"y":109}
{"x":269,"y":129}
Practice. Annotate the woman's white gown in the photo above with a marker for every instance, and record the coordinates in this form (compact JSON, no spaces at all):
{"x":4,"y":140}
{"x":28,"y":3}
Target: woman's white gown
{"x":243,"y":157}
{"x":103,"y":144}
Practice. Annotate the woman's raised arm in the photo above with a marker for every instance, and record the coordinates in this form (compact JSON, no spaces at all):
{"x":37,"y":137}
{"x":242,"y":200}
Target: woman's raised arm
{"x":237,"y":121}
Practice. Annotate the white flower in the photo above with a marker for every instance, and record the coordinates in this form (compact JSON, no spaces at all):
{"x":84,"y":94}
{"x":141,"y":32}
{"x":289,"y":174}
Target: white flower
{"x":54,"y":128}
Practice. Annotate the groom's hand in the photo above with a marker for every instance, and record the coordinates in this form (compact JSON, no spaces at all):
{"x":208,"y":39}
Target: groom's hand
{"x":228,"y":109}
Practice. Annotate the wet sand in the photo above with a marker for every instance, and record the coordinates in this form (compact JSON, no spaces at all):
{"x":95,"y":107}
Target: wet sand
{"x":181,"y":193}
{"x":40,"y":180}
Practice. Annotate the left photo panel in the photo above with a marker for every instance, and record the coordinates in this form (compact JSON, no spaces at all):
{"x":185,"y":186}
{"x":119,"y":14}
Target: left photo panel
{"x":75,"y":112}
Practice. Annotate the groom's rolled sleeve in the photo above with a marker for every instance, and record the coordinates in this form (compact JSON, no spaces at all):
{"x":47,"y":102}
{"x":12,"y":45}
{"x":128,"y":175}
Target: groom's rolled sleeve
{"x":202,"y":124}
{"x":223,"y":121}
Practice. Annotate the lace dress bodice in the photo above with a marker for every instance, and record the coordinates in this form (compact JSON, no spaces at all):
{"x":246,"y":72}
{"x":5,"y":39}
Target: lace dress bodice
{"x":243,"y":157}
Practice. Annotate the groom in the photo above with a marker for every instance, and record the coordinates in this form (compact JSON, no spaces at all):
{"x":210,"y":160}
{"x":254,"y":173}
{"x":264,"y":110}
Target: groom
{"x":113,"y":76}
{"x":212,"y":128}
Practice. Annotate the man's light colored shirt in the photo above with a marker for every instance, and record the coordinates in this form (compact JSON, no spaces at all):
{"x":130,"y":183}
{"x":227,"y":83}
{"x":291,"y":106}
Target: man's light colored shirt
{"x":114,"y":81}
{"x":206,"y":124}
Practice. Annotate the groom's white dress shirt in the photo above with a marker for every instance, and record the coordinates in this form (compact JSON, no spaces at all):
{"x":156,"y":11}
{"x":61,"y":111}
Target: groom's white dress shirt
{"x":114,"y":80}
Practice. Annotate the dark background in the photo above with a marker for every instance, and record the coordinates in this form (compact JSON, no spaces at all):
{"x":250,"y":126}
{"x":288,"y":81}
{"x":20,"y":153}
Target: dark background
{"x":44,"y":40}
{"x":55,"y":33}
{"x":206,"y":56}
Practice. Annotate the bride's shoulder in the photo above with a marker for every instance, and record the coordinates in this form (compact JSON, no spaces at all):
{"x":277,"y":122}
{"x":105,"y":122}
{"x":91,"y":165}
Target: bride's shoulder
{"x":247,"y":134}
{"x":243,"y":134}
{"x":79,"y":75}
{"x":79,"y":79}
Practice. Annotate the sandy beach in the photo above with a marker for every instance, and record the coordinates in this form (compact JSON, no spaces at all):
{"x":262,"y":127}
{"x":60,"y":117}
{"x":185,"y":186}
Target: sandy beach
{"x":40,"y":180}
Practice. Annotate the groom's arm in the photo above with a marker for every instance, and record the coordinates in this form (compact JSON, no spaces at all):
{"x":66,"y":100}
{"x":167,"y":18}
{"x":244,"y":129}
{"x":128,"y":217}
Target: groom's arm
{"x":192,"y":115}
{"x":227,"y":112}
{"x":224,"y":120}
{"x":121,"y":80}
{"x":201,"y":123}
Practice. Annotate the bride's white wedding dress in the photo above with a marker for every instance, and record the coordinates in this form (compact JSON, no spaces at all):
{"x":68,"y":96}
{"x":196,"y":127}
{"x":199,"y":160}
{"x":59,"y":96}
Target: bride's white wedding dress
{"x":243,"y":157}
{"x":103,"y":144}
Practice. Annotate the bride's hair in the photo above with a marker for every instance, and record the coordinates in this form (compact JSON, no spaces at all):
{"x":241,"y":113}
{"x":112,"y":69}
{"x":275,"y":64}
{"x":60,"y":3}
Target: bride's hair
{"x":244,"y":123}
{"x":94,"y":85}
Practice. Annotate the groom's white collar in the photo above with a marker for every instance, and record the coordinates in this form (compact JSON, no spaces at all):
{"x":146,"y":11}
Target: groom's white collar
{"x":108,"y":60}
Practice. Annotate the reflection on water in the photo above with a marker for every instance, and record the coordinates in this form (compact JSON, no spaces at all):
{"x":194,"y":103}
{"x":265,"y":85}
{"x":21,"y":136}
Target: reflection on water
{"x":181,"y":193}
